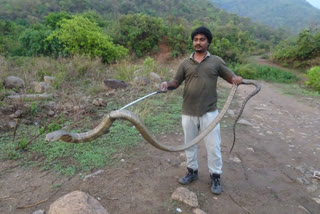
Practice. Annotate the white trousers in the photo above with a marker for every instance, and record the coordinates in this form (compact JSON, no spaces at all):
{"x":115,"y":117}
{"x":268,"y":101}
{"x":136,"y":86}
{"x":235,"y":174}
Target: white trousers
{"x":192,"y":126}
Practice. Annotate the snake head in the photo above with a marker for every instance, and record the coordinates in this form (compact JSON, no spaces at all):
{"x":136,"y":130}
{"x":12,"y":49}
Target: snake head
{"x":55,"y":136}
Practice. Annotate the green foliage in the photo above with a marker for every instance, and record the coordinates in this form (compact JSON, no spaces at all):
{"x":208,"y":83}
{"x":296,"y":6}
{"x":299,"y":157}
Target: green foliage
{"x":35,"y":43}
{"x":140,"y":33}
{"x":53,"y":20}
{"x":177,"y":38}
{"x":79,"y":35}
{"x":314,"y":78}
{"x":267,"y":73}
{"x":297,"y":51}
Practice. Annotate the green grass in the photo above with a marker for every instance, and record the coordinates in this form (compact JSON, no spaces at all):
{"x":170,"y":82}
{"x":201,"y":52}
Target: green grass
{"x":66,"y":158}
{"x":267,"y":73}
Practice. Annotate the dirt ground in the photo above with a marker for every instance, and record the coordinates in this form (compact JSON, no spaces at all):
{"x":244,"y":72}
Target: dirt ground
{"x":269,"y":171}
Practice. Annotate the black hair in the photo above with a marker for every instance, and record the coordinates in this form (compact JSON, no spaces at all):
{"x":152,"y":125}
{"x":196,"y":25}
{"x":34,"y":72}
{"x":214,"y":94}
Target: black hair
{"x":202,"y":30}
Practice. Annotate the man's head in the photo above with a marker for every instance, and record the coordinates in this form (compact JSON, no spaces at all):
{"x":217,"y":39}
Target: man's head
{"x":201,"y":39}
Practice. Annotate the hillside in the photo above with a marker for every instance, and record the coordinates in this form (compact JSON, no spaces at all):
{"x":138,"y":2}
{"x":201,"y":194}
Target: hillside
{"x":292,"y":14}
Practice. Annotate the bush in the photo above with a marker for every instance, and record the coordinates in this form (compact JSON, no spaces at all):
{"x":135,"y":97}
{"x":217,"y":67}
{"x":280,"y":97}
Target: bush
{"x":140,"y":33}
{"x":81,"y":36}
{"x":314,"y":78}
{"x":247,"y":72}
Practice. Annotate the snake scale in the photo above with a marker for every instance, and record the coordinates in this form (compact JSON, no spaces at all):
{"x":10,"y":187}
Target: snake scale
{"x":108,"y":120}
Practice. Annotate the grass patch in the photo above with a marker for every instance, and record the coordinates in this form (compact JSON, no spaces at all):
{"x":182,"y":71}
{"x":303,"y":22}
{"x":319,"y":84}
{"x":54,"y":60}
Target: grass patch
{"x":267,"y":73}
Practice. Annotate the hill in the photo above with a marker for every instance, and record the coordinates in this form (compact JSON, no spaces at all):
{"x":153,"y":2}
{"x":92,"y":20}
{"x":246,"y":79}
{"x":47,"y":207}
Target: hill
{"x":292,"y":14}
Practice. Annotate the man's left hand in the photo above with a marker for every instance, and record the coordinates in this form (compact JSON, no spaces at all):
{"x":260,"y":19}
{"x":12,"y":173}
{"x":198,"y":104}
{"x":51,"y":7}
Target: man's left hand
{"x":237,"y":80}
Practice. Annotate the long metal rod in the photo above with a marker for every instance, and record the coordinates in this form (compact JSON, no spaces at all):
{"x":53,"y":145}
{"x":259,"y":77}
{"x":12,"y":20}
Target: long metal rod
{"x":156,"y":92}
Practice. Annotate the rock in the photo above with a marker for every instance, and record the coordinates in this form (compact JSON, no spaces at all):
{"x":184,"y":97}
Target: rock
{"x":12,"y":124}
{"x":312,"y":188}
{"x":77,"y":202}
{"x":13,"y":82}
{"x":48,"y":79}
{"x":198,"y":211}
{"x":51,"y":113}
{"x":99,"y":102}
{"x":142,"y":81}
{"x":244,"y":122}
{"x":30,"y":97}
{"x":303,"y":181}
{"x":39,"y":212}
{"x":316,"y":200}
{"x":114,"y":84}
{"x":231,"y":112}
{"x":184,"y":195}
{"x":155,"y":77}
{"x":40,"y":87}
{"x":235,"y":159}
{"x":17,"y":114}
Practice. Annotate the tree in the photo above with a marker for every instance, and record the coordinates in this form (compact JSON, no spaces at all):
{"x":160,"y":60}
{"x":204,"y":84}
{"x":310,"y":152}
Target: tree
{"x":140,"y":33}
{"x":79,"y":35}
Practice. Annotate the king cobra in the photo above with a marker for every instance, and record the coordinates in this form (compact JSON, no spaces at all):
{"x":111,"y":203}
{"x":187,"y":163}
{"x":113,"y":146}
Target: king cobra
{"x":108,"y":120}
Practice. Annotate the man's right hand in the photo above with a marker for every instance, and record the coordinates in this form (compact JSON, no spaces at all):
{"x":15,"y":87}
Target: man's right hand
{"x":164,"y":87}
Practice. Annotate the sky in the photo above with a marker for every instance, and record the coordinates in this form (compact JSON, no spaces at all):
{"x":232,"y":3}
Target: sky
{"x":315,"y":3}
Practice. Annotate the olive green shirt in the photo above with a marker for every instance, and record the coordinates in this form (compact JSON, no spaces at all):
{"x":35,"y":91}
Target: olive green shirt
{"x":200,"y":91}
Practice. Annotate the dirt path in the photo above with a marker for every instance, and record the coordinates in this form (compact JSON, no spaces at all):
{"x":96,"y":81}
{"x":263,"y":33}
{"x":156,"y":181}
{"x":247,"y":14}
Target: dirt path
{"x":270,"y":170}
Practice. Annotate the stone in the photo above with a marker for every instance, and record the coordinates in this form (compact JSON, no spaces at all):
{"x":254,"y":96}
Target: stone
{"x":244,"y":122}
{"x":184,"y":195}
{"x":235,"y":159}
{"x":198,"y":211}
{"x":12,"y":124}
{"x":141,"y":81}
{"x":13,"y":82}
{"x":114,"y":84}
{"x":40,"y":87}
{"x":155,"y":77}
{"x":51,"y":113}
{"x":99,"y":102}
{"x":312,"y":188}
{"x":77,"y":202}
{"x":39,"y":212}
{"x":316,"y":200}
{"x":48,"y":79}
{"x":30,"y":97}
{"x":231,"y":112}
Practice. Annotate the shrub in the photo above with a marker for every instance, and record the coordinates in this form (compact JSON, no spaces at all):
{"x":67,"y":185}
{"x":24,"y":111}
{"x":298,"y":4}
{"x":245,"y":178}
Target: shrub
{"x":81,"y":36}
{"x":314,"y":78}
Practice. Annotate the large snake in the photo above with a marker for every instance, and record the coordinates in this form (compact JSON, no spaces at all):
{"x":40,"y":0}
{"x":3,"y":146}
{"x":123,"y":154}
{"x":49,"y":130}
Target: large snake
{"x":108,"y":120}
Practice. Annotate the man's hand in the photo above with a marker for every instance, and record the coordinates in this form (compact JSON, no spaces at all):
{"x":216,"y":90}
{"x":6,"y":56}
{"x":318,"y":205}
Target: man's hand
{"x":237,"y":80}
{"x":164,"y":87}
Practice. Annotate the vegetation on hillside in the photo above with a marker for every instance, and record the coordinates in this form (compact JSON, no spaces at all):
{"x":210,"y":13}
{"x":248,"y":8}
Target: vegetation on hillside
{"x":302,"y":51}
{"x":294,"y":15}
{"x":136,"y":25}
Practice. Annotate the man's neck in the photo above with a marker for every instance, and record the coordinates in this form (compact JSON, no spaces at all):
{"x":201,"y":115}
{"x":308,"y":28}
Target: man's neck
{"x":199,"y":56}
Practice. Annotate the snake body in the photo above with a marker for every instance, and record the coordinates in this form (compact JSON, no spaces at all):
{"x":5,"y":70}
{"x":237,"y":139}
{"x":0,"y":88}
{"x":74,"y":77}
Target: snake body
{"x":108,"y":120}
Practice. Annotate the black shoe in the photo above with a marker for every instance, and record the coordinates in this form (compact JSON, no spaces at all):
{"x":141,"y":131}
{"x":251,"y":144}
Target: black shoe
{"x":191,"y":175}
{"x":215,"y":184}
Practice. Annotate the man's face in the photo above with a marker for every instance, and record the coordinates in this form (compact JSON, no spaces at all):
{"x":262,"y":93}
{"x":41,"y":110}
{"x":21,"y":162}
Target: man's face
{"x":200,"y":43}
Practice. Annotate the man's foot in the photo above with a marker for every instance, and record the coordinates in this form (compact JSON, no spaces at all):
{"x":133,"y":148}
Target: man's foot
{"x":215,"y":184}
{"x":191,"y":175}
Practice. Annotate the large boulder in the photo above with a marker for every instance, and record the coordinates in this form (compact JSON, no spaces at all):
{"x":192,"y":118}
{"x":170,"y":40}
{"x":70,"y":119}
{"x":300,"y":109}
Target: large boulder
{"x":77,"y":202}
{"x":13,"y":82}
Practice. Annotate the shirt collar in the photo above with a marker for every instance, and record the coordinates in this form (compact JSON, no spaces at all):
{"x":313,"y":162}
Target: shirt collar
{"x":192,"y":56}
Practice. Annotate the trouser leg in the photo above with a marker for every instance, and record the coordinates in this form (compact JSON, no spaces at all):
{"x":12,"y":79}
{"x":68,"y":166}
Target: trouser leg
{"x":212,"y":141}
{"x":191,"y":130}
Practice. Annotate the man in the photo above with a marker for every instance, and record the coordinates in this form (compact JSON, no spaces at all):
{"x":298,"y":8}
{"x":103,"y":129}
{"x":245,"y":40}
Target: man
{"x":200,"y":72}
